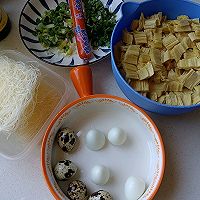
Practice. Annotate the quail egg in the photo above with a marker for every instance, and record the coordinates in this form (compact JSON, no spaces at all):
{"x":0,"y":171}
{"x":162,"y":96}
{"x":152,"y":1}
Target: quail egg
{"x":64,"y":170}
{"x":100,"y":174}
{"x":95,"y":140}
{"x":66,"y":139}
{"x":77,"y":190}
{"x":100,"y":195}
{"x":117,"y":136}
{"x":134,"y":188}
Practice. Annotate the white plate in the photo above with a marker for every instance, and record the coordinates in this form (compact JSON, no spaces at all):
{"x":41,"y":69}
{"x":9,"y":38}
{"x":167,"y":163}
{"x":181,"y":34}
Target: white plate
{"x":142,"y":155}
{"x":27,"y":23}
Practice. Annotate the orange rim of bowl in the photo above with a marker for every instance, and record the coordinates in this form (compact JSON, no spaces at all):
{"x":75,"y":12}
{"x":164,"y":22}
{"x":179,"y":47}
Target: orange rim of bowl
{"x":43,"y":149}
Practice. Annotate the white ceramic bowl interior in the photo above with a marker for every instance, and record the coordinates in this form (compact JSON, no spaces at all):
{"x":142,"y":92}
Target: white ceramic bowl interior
{"x":142,"y":155}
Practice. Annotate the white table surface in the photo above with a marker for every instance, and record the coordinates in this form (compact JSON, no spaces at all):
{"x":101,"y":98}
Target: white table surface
{"x":22,"y":179}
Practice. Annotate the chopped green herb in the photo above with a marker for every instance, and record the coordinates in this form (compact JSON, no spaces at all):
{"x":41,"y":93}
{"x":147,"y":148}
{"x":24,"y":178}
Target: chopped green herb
{"x":99,"y":23}
{"x":55,"y":29}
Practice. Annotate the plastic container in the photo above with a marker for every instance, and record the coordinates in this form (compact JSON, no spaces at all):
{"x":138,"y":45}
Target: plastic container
{"x":132,"y":10}
{"x":14,"y":148}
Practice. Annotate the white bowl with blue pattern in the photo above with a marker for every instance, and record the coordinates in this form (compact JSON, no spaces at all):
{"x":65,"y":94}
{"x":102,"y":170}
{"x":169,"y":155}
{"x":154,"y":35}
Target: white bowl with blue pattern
{"x":27,"y":23}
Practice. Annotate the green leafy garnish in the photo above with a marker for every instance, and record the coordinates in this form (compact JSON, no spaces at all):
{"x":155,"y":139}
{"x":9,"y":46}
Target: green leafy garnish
{"x":99,"y":23}
{"x":55,"y":28}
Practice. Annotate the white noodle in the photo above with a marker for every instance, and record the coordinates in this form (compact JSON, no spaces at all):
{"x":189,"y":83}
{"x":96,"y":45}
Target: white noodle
{"x":18,"y":85}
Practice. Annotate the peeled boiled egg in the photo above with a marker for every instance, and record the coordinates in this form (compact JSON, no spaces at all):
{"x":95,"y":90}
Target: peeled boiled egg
{"x":117,"y":136}
{"x":95,"y":140}
{"x":134,"y":188}
{"x":100,"y":174}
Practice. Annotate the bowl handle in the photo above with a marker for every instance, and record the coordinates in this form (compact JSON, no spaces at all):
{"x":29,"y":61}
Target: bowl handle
{"x":82,"y":80}
{"x":128,"y":8}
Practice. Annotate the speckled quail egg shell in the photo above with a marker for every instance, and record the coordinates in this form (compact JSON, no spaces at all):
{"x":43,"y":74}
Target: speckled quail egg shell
{"x":77,"y":190}
{"x":66,"y":139}
{"x":100,"y":195}
{"x":64,"y":170}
